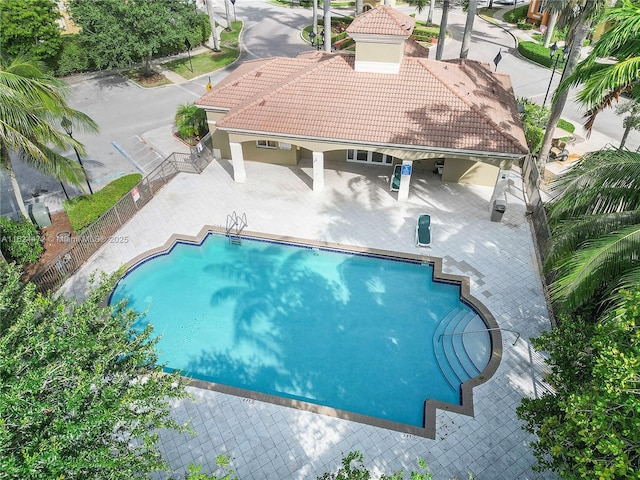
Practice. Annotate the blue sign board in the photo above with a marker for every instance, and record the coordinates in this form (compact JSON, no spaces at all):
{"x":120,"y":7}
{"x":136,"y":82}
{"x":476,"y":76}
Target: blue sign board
{"x":406,"y":170}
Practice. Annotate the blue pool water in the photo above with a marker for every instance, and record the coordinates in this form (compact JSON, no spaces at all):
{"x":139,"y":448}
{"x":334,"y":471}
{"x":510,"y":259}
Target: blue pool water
{"x":343,"y":330}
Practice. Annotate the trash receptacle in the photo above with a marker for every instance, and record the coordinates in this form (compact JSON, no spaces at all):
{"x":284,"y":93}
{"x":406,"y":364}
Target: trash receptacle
{"x":499,"y":207}
{"x":39,"y":214}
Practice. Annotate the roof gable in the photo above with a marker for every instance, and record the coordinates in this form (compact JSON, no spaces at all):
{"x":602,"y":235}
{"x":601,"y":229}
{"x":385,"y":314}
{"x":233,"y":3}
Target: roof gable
{"x":382,"y":20}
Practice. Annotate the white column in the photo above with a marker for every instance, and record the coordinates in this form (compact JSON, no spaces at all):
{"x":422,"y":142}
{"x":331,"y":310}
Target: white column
{"x":405,"y":179}
{"x":239,"y":174}
{"x":500,"y":189}
{"x":318,"y":171}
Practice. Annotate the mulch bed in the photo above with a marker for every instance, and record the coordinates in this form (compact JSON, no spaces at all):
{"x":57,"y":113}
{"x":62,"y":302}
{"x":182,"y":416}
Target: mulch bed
{"x":56,"y":238}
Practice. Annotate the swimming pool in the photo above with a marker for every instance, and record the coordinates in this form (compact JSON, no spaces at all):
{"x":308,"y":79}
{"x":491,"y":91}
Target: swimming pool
{"x":365,"y":334}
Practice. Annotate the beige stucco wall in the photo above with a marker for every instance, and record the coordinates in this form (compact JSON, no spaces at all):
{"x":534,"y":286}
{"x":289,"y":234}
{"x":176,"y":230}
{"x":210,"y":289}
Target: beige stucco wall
{"x":379,"y":52}
{"x":470,"y":172}
{"x":276,"y":156}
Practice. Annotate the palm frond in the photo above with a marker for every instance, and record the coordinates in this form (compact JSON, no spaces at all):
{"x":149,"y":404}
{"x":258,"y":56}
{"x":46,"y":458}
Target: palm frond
{"x":629,"y":281}
{"x":625,"y":19}
{"x":599,"y":263}
{"x":599,"y":83}
{"x":56,"y":165}
{"x":604,"y":181}
{"x":32,"y":106}
{"x":570,"y":234}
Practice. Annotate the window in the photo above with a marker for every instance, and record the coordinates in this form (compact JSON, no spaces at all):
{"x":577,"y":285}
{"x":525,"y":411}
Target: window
{"x":266,"y":144}
{"x":365,"y":156}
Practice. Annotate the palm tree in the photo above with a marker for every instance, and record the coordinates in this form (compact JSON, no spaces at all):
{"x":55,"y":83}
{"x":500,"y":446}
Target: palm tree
{"x":32,"y":106}
{"x":554,"y":7}
{"x":442,"y":34}
{"x":631,"y":121}
{"x":603,"y":83}
{"x":595,"y":223}
{"x":468,"y":28}
{"x":580,"y":18}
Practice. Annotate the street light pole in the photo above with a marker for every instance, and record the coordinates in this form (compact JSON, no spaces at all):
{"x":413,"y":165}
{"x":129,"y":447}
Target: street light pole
{"x":68,"y":127}
{"x":187,"y":44}
{"x":552,"y":54}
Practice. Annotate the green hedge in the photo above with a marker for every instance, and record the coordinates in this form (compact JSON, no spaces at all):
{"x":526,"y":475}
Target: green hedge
{"x":85,"y":210}
{"x":567,"y":126}
{"x":20,"y":242}
{"x":536,"y":53}
{"x":534,"y":136}
{"x":525,"y":26}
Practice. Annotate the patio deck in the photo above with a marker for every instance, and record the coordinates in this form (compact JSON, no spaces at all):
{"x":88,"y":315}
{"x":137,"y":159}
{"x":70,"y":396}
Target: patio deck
{"x":272,"y":442}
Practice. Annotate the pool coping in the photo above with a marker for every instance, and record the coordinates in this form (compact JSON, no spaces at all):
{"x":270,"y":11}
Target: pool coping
{"x":428,"y":430}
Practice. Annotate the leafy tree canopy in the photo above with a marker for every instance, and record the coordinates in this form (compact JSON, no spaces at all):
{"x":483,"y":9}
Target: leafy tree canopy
{"x":590,"y":427}
{"x":29,"y":28}
{"x":118,"y":33}
{"x":353,"y":468}
{"x":81,"y":395}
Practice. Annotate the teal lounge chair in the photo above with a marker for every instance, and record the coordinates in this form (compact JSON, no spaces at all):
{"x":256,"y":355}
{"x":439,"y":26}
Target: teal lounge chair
{"x":423,"y":230}
{"x":394,"y":183}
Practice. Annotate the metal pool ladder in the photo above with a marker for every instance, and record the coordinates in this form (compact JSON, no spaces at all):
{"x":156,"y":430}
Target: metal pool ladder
{"x":235,"y":225}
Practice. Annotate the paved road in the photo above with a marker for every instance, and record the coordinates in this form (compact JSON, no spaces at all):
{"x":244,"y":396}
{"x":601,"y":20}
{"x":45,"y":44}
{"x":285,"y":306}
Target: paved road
{"x":130,"y":117}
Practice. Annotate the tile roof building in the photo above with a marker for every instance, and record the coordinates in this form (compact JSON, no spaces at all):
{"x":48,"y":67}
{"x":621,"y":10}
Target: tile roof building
{"x":386,"y":104}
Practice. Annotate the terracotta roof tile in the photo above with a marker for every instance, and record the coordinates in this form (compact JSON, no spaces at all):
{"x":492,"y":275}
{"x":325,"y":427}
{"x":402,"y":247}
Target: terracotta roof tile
{"x":428,"y":104}
{"x":382,"y":20}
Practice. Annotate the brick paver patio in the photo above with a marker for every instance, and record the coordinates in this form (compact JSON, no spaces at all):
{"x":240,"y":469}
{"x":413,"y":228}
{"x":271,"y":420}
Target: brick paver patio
{"x":271,"y":442}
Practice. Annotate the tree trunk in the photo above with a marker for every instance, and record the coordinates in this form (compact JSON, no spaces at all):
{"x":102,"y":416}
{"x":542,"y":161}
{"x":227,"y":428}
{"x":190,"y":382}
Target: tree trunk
{"x":468,"y":28}
{"x":214,"y":34}
{"x":442,"y":34}
{"x":359,"y":6}
{"x":315,"y":17}
{"x":227,"y":15}
{"x":147,"y":66}
{"x":16,"y":188}
{"x":430,"y":14}
{"x":327,"y":25}
{"x":551,"y":25}
{"x":558,"y":102}
{"x":625,"y":135}
{"x":490,"y":4}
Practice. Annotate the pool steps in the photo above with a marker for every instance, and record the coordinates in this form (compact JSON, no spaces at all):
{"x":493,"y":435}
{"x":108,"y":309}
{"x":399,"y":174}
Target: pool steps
{"x":451,"y":354}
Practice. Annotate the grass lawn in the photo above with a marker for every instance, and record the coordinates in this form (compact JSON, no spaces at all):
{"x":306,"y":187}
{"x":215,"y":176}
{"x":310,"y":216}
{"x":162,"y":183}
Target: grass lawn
{"x":155,"y":80}
{"x":203,"y":62}
{"x":84,"y":210}
{"x":209,"y":61}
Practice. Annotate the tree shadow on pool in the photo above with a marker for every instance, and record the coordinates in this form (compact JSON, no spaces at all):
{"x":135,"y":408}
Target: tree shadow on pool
{"x":323,"y":335}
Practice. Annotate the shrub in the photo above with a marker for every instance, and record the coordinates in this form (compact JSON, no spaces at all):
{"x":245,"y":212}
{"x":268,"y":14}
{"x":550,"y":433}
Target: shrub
{"x":517,"y":14}
{"x":535,"y":52}
{"x":73,"y":57}
{"x":525,"y":26}
{"x":20,"y":241}
{"x":534,"y":136}
{"x":85,"y":210}
{"x":191,"y":122}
